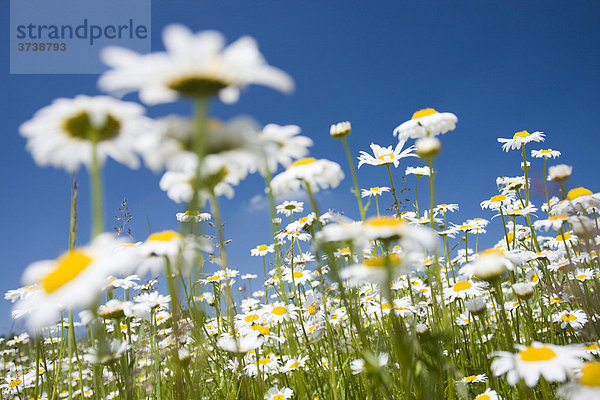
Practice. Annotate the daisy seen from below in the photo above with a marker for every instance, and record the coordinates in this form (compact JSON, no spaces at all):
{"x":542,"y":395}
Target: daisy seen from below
{"x":520,"y":139}
{"x":193,"y":65}
{"x":548,"y":153}
{"x":193,"y":216}
{"x":385,"y":155}
{"x":262,"y":250}
{"x":417,"y":171}
{"x":374,"y":191}
{"x":317,"y":174}
{"x":65,"y":133}
{"x":426,"y":122}
{"x":289,"y":207}
{"x":73,"y":280}
{"x":552,"y":362}
{"x":283,"y":144}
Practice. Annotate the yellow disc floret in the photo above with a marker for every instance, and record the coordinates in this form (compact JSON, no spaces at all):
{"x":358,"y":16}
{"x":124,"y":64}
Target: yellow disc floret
{"x":533,"y":354}
{"x":68,"y":267}
{"x":423,"y":113}
{"x":578,"y":192}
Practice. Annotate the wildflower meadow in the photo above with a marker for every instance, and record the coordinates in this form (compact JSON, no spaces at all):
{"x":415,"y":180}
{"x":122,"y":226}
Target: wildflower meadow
{"x":403,"y":302}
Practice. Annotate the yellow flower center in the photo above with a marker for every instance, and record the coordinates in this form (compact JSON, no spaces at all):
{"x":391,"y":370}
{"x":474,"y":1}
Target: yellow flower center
{"x":462,"y":285}
{"x":213,"y":278}
{"x":578,"y":192}
{"x":568,"y":318}
{"x":386,"y":306}
{"x":302,"y":161}
{"x":534,"y":354}
{"x":279,"y":310}
{"x":483,"y":397}
{"x":164,"y":236}
{"x":264,"y":361}
{"x":565,"y":236}
{"x":493,"y":251}
{"x":592,"y":346}
{"x":522,"y":134}
{"x":557,"y":217}
{"x":313,"y":308}
{"x":14,"y":383}
{"x":590,"y":374}
{"x":262,"y":329}
{"x":582,"y":276}
{"x":251,"y":317}
{"x":386,"y":157}
{"x":298,"y":274}
{"x":374,"y":189}
{"x":189,"y":212}
{"x":470,"y":378}
{"x":498,"y":198}
{"x":303,"y":220}
{"x":423,"y":113}
{"x":279,"y":397}
{"x":262,"y":247}
{"x":384,"y":222}
{"x":546,"y":151}
{"x":295,"y":365}
{"x":68,"y":267}
{"x":382,"y":261}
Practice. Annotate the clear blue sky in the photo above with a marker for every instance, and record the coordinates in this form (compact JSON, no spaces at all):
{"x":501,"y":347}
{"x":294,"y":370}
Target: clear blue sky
{"x":500,"y":66}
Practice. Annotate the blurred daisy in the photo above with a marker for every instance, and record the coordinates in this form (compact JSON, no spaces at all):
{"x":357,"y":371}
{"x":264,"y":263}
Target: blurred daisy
{"x":489,"y":394}
{"x":385,"y":155}
{"x":374,"y":191}
{"x":426,"y":122}
{"x":463,"y":289}
{"x":521,"y":138}
{"x":193,"y":65}
{"x":587,"y":385}
{"x":73,"y":280}
{"x":279,"y":312}
{"x":193,"y":216}
{"x":283,"y":144}
{"x":553,"y":363}
{"x":62,"y":134}
{"x":417,"y":171}
{"x":319,"y":174}
{"x":578,"y":200}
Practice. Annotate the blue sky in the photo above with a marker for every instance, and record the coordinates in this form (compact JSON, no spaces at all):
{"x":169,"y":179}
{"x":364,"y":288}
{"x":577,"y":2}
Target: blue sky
{"x":500,"y":66}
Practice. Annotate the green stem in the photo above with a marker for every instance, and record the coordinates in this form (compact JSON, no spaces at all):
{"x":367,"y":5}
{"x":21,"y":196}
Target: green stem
{"x":96,"y":191}
{"x":354,"y":179}
{"x":393,"y":190}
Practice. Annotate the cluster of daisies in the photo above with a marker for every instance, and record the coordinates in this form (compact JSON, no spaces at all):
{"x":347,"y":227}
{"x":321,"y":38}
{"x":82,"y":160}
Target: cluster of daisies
{"x":401,"y":303}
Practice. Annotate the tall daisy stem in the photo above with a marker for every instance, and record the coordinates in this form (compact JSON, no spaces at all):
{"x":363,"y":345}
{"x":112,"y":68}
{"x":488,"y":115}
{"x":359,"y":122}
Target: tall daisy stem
{"x":393,"y":190}
{"x":354,"y":179}
{"x":96,"y":190}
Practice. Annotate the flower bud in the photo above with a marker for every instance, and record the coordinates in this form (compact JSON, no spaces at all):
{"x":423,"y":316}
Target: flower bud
{"x":489,"y":267}
{"x":559,"y":173}
{"x":476,"y":305}
{"x":340,"y":130}
{"x":523,"y":290}
{"x":428,"y":147}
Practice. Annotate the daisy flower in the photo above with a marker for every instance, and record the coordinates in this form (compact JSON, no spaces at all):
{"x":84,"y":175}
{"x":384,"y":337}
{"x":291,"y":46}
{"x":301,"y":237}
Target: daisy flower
{"x":474,"y":378}
{"x":587,"y":385}
{"x":171,"y":245}
{"x":495,"y":202}
{"x":553,"y":363}
{"x":426,"y":122}
{"x":240,"y":343}
{"x":279,"y":312}
{"x":578,"y":200}
{"x":262,"y":250}
{"x":275,"y":393}
{"x":446,"y":207}
{"x":194,"y":64}
{"x":463,"y":289}
{"x":417,"y":171}
{"x":63,"y":134}
{"x":289,"y":207}
{"x":575,"y":319}
{"x":489,"y":394}
{"x":385,"y":155}
{"x":548,"y":153}
{"x":374,"y":191}
{"x":559,"y":173}
{"x":521,"y":138}
{"x":73,"y":280}
{"x":193,"y":216}
{"x":319,"y":174}
{"x":293,"y":364}
{"x":554,"y":221}
{"x":283,"y":144}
